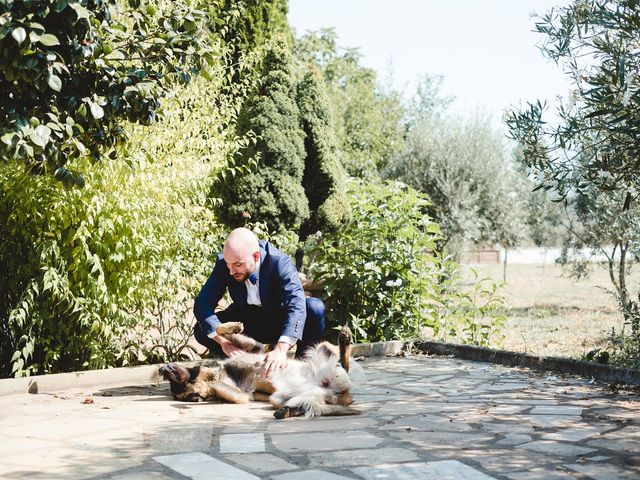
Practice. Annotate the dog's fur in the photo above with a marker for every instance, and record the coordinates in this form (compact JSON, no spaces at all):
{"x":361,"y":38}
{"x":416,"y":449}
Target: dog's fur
{"x":317,"y":385}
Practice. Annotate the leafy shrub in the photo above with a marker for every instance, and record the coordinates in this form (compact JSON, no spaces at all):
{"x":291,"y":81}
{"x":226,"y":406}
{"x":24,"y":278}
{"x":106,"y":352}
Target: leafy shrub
{"x":470,"y":315}
{"x":73,"y":73}
{"x":380,"y":273}
{"x":102,"y":277}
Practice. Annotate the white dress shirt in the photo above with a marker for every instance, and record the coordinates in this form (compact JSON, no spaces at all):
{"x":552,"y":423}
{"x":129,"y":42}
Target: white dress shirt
{"x":253,"y":298}
{"x":253,"y":291}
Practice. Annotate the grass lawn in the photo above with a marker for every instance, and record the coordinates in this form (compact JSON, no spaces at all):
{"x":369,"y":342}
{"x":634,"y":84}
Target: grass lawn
{"x":553,"y":314}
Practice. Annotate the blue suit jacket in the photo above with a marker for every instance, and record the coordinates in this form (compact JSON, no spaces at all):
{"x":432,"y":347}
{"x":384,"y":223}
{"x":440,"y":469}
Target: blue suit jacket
{"x":283,"y":309}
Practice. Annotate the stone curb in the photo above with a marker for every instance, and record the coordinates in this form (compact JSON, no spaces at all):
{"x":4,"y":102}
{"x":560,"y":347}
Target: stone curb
{"x":146,"y":374}
{"x":141,"y":375}
{"x":601,"y":373}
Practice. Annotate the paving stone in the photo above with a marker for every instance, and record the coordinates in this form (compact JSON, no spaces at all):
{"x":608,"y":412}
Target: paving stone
{"x":309,"y":475}
{"x":67,"y":462}
{"x":249,"y":427}
{"x":616,"y":442}
{"x":431,"y":423}
{"x":49,"y":436}
{"x":362,"y":457}
{"x":618,"y":412}
{"x":507,"y":409}
{"x":599,"y":471}
{"x":509,"y":428}
{"x":502,"y":460}
{"x":540,"y":473}
{"x":260,"y":462}
{"x":556,"y":448}
{"x":401,"y":407}
{"x":416,"y":387}
{"x":321,"y":424}
{"x":377,"y":400}
{"x":514,"y":439}
{"x":73,"y":427}
{"x":179,"y":440}
{"x":501,"y":387}
{"x":375,"y":390}
{"x":448,"y":407}
{"x":442,"y":470}
{"x":140,"y":475}
{"x":199,"y":466}
{"x":443,"y":440}
{"x":566,"y":410}
{"x":242,"y":443}
{"x":576,"y":434}
{"x":434,"y":379}
{"x":312,"y":442}
{"x":551,"y":421}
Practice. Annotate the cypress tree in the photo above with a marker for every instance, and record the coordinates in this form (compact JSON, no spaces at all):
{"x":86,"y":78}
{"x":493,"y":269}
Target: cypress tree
{"x":249,"y":25}
{"x":323,"y":178}
{"x":272,"y":192}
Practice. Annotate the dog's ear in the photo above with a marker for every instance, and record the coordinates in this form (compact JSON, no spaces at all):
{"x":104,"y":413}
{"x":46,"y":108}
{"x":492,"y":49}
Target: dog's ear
{"x":193,"y":373}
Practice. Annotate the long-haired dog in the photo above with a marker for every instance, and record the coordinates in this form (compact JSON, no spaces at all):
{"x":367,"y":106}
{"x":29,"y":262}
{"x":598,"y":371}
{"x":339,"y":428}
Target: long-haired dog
{"x":317,"y":385}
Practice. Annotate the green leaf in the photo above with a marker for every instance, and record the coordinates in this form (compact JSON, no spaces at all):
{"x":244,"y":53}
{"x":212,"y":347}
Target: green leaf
{"x":19,"y":34}
{"x":55,"y":83}
{"x":7,"y":138}
{"x":59,"y":173}
{"x":60,"y":5}
{"x":49,"y":40}
{"x":80,"y":182}
{"x":96,"y":111}
{"x":81,"y":12}
{"x":41,"y":135}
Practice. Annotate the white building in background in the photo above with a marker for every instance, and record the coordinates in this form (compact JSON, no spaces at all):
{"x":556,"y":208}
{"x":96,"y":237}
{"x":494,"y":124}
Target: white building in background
{"x":532,"y":255}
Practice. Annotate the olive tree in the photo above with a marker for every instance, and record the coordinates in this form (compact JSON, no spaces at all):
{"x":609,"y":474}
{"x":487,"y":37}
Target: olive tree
{"x":588,"y":155}
{"x":463,"y":167}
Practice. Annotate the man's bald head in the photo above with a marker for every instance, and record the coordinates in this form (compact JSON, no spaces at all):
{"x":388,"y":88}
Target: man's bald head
{"x":241,"y":253}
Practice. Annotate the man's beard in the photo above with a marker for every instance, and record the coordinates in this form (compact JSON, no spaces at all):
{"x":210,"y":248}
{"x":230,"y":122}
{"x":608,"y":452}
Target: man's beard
{"x":241,"y":279}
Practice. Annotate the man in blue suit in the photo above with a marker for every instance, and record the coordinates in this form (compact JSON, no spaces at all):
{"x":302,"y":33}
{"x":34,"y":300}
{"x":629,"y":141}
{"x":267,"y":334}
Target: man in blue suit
{"x":267,"y":296}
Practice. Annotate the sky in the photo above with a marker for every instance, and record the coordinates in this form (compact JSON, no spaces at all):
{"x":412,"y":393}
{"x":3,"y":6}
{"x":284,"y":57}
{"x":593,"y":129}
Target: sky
{"x":485,"y":49}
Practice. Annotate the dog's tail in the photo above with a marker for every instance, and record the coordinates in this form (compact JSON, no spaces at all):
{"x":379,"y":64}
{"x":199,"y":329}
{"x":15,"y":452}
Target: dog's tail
{"x":344,"y":344}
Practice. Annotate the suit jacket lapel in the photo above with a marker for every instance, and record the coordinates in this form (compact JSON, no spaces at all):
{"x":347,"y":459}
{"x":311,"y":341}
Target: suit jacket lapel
{"x":263,"y":284}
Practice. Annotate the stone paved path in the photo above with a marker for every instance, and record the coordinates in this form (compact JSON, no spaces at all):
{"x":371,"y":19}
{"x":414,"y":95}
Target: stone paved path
{"x":423,"y":418}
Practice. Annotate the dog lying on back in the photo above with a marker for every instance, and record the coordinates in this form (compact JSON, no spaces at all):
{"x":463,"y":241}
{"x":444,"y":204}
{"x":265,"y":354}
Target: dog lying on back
{"x":317,"y":385}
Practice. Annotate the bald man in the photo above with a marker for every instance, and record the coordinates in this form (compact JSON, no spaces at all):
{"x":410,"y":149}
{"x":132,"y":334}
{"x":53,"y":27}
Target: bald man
{"x":267,"y":298}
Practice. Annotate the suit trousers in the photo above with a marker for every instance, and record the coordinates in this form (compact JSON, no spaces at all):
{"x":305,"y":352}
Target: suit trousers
{"x":312,"y":333}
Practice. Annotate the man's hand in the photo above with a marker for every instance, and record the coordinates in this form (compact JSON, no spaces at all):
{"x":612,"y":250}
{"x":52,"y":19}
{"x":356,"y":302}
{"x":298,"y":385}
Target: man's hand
{"x":276,"y":359}
{"x":230,"y":349}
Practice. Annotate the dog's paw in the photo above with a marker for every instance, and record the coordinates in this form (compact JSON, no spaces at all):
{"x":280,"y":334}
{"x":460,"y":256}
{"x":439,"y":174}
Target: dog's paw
{"x":344,"y":337}
{"x":281,"y":413}
{"x":229,"y":328}
{"x":287,"y":412}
